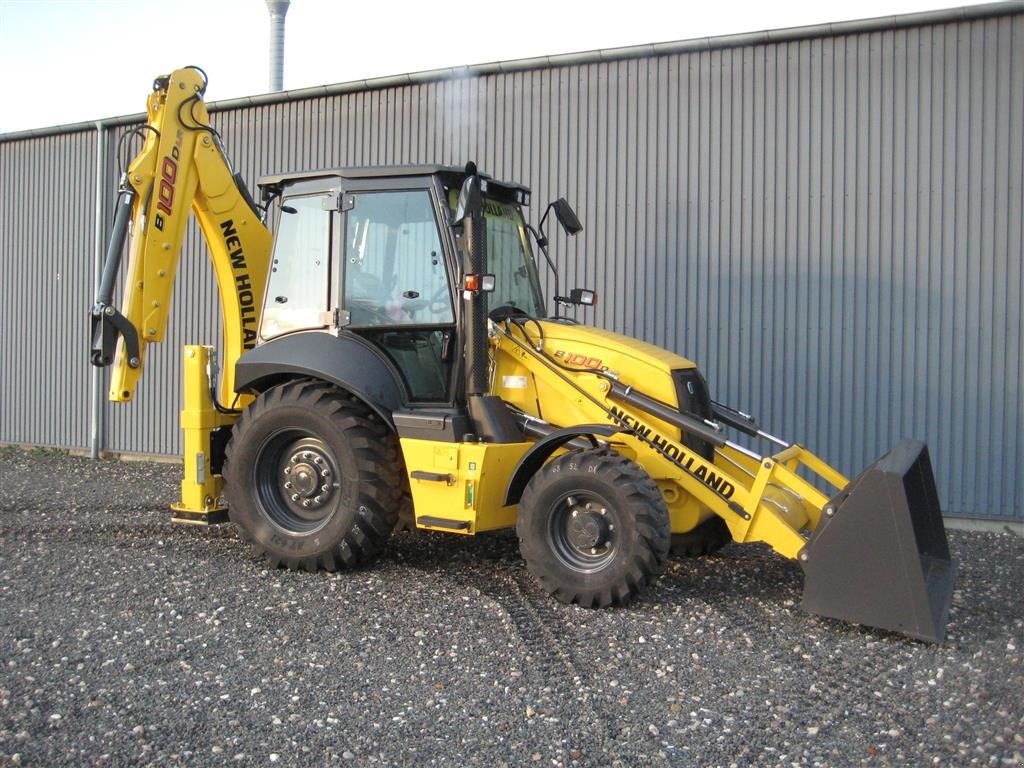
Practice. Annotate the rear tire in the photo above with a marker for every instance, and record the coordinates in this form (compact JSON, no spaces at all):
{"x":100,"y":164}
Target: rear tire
{"x":313,"y":478}
{"x":406,"y":520}
{"x":593,"y":528}
{"x":706,"y":539}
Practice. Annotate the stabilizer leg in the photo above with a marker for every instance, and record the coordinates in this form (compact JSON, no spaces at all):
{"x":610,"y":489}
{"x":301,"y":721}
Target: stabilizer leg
{"x":201,"y":487}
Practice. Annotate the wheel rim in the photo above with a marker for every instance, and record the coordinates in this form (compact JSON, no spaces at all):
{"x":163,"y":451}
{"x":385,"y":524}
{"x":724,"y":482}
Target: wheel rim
{"x":297,"y":481}
{"x":583,"y":531}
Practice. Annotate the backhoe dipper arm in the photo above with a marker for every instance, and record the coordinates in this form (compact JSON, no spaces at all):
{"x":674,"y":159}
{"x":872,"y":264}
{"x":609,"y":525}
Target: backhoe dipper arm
{"x":181,"y":166}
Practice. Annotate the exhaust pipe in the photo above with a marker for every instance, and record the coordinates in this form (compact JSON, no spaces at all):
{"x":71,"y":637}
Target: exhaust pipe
{"x":879,"y":556}
{"x":492,"y":421}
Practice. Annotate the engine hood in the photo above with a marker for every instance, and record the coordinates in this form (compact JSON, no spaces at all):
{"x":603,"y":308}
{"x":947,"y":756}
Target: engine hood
{"x":583,"y":346}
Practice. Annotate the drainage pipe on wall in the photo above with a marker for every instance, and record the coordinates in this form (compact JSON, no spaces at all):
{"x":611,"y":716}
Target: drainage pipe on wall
{"x":97,"y":401}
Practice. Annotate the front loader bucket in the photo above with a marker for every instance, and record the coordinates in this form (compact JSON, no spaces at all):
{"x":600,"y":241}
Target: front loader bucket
{"x":881,"y":558}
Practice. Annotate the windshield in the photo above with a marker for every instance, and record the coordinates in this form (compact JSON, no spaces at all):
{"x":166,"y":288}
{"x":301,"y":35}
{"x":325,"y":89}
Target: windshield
{"x":509,"y":258}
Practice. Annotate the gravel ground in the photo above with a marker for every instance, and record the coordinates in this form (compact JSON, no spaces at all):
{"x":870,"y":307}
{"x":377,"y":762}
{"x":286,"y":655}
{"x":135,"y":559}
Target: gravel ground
{"x":126,"y":640}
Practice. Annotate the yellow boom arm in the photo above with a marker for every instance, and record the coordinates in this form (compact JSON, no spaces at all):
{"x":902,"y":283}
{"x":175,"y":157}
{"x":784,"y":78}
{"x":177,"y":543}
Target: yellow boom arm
{"x":181,"y":166}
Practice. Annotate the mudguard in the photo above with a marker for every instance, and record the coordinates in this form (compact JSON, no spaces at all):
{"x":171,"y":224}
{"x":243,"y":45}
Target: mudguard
{"x":541,"y":451}
{"x":346,"y":360}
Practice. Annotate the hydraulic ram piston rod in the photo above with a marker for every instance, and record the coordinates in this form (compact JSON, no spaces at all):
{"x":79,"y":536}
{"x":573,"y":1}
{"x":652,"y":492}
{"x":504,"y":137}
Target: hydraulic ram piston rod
{"x":677,"y":418}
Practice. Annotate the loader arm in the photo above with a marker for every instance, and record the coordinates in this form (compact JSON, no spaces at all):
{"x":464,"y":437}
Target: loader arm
{"x":873,"y":549}
{"x":181,"y":167}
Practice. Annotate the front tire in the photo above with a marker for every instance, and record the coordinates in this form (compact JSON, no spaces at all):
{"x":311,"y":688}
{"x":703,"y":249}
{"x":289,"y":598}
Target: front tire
{"x":706,"y":539}
{"x":313,"y":478}
{"x":593,"y":528}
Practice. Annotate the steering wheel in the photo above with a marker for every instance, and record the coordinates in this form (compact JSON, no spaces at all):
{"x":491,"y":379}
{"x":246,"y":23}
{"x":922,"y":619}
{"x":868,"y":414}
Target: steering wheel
{"x":367,"y":312}
{"x":365,"y":286}
{"x":440,"y":301}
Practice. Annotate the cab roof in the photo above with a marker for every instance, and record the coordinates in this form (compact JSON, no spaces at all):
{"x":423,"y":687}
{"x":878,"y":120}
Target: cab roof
{"x":450,"y":174}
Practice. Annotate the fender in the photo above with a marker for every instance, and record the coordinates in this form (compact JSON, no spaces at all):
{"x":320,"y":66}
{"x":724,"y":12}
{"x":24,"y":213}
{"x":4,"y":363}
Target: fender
{"x":541,"y":451}
{"x":346,"y":360}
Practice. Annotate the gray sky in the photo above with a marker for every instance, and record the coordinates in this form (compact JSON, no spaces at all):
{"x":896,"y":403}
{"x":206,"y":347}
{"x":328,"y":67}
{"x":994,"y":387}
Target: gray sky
{"x":67,"y":61}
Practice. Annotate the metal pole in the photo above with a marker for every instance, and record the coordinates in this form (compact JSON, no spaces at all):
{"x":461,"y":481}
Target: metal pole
{"x":278,"y":9}
{"x":97,"y":401}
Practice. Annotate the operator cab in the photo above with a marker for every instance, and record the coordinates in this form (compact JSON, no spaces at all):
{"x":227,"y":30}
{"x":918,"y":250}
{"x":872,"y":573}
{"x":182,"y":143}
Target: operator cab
{"x":370,"y":252}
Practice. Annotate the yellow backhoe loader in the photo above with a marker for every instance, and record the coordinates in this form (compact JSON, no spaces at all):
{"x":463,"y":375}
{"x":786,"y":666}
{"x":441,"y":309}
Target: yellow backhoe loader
{"x":387,"y":351}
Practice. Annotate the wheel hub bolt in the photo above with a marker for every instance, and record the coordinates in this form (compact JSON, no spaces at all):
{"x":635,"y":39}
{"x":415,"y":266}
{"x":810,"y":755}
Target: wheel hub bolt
{"x":287,"y":470}
{"x":288,"y":486}
{"x":305,"y":502}
{"x":295,"y":497}
{"x":575,"y":513}
{"x":324,"y":473}
{"x":325,"y":488}
{"x":316,"y":499}
{"x":319,"y":459}
{"x":307,"y":455}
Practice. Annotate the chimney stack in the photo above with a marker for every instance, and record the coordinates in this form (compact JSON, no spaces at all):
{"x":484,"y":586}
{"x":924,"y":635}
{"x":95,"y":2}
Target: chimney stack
{"x":278,"y":9}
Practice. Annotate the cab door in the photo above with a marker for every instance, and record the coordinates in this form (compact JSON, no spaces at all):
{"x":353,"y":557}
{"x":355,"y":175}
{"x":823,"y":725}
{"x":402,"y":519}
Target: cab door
{"x":299,"y":294}
{"x":396,"y":288}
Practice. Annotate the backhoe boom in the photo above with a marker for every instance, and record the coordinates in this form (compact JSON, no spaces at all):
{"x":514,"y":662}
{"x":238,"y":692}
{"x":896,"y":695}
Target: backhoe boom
{"x":181,"y":167}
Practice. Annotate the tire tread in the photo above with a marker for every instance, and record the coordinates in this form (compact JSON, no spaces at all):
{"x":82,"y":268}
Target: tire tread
{"x":651,"y":522}
{"x":379,"y":468}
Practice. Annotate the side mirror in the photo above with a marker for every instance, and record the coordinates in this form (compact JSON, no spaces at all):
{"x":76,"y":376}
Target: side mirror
{"x":567,"y":216}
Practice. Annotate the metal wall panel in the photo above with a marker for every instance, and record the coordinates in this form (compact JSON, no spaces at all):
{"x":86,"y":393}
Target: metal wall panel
{"x":47,"y":224}
{"x":830,"y":226}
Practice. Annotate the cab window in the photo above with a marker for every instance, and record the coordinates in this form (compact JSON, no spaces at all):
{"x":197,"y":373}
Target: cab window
{"x":394,"y":265}
{"x":298,"y":288}
{"x":396,"y":287}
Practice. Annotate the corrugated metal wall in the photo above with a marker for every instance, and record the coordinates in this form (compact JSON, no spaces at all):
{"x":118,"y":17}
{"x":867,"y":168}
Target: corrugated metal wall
{"x":830,"y":226}
{"x":47,"y":229}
